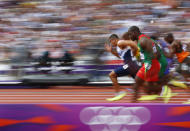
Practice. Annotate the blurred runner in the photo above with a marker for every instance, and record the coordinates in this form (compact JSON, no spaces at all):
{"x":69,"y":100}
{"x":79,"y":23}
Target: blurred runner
{"x":183,"y":58}
{"x":165,"y":46}
{"x":125,"y":51}
{"x":153,"y":69}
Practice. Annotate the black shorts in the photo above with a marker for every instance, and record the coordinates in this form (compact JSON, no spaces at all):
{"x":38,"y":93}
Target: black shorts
{"x":130,"y":69}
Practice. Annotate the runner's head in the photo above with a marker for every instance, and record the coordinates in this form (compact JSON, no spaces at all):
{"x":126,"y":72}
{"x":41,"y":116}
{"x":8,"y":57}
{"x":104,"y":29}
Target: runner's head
{"x":155,"y":36}
{"x":177,"y":46}
{"x":169,"y":38}
{"x":126,"y":36}
{"x":113,"y":39}
{"x":134,"y":32}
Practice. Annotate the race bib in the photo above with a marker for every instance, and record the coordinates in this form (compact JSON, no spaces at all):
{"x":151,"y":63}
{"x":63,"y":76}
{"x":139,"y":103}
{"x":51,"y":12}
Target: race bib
{"x":147,"y":66}
{"x":139,"y":63}
{"x":154,"y":49}
{"x":184,"y":67}
{"x":125,"y":66}
{"x":167,"y":50}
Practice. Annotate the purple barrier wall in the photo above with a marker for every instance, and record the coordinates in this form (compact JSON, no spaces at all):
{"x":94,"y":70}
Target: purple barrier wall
{"x":94,"y":117}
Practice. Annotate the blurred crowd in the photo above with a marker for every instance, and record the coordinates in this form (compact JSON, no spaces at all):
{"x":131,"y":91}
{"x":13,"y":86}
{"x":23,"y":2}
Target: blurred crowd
{"x":78,"y":26}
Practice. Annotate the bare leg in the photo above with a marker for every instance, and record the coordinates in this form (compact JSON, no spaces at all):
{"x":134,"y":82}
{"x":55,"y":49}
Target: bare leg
{"x":138,"y":83}
{"x":153,"y":88}
{"x":118,"y":94}
{"x":113,"y":77}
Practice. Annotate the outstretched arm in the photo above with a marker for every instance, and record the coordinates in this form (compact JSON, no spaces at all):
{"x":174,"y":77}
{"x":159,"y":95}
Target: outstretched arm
{"x":111,"y":50}
{"x":125,"y":43}
{"x":146,"y":45}
{"x":170,"y":54}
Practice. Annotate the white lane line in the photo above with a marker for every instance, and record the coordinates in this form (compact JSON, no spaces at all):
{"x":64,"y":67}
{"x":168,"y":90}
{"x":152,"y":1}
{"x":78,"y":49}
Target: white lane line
{"x":54,"y":95}
{"x":10,"y":82}
{"x":55,"y":92}
{"x":43,"y":95}
{"x":71,"y":98}
{"x":81,"y":101}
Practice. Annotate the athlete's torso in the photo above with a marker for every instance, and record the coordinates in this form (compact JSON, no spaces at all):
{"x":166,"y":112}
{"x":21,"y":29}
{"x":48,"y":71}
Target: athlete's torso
{"x":181,"y":56}
{"x":124,"y":54}
{"x":127,"y":56}
{"x":165,"y":47}
{"x":149,"y":56}
{"x":155,"y":49}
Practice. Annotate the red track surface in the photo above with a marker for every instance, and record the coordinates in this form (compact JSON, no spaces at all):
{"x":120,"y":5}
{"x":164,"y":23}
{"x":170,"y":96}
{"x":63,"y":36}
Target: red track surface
{"x":77,"y":94}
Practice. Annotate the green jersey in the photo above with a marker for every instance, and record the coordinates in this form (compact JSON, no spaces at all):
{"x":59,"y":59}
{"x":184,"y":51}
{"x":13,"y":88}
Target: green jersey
{"x":149,"y":56}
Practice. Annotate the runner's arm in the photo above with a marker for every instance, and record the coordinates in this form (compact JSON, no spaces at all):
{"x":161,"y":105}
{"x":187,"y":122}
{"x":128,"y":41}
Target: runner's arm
{"x":169,"y":54}
{"x":111,"y":50}
{"x":146,"y":45}
{"x":125,"y":43}
{"x":114,"y":52}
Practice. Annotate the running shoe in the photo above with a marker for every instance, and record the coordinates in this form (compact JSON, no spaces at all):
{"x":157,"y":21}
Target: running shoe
{"x":117,"y":97}
{"x":167,"y":94}
{"x":188,"y":102}
{"x":178,"y":84}
{"x":148,"y":97}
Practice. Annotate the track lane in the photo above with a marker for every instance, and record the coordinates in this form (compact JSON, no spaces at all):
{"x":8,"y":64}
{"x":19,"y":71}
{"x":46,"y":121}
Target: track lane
{"x":78,"y":94}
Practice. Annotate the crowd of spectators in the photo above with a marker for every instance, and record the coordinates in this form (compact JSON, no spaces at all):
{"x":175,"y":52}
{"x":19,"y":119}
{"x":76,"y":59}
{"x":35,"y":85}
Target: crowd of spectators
{"x":78,"y":25}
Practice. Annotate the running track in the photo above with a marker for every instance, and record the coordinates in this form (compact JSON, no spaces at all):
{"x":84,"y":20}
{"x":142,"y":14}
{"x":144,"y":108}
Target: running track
{"x":77,"y":94}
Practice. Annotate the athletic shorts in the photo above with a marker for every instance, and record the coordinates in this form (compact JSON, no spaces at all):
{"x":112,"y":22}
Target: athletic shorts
{"x":130,"y":69}
{"x":152,"y":75}
{"x":184,"y":67}
{"x":168,"y":67}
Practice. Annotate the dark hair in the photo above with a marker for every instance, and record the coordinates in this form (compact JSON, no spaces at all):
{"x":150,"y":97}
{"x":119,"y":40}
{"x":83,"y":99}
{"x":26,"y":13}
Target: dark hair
{"x":154,"y":37}
{"x":134,"y":29}
{"x":113,"y":36}
{"x":178,"y":46}
{"x":169,"y":38}
{"x":169,"y":35}
{"x":126,"y":36}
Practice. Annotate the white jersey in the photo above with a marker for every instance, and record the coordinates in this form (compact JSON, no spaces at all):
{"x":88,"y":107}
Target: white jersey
{"x":127,"y":55}
{"x":122,"y":53}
